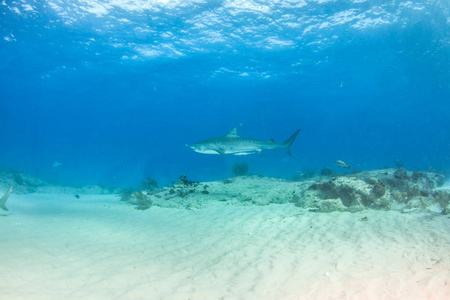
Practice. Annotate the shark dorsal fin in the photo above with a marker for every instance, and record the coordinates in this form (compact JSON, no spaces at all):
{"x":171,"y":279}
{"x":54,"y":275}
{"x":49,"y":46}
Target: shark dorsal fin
{"x":232,"y":133}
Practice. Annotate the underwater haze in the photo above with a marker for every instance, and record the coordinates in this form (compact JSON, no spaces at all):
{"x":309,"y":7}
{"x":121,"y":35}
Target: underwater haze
{"x":110,"y":92}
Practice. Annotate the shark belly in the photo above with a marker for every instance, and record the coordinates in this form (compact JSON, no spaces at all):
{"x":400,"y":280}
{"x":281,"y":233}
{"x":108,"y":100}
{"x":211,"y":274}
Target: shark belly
{"x":206,"y":151}
{"x":227,"y":152}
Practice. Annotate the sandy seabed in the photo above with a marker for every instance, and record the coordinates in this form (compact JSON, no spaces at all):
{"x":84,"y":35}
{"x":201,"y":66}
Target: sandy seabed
{"x":55,"y":246}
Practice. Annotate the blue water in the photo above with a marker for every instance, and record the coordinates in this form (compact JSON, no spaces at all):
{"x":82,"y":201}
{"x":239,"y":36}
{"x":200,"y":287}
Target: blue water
{"x":114,"y":90}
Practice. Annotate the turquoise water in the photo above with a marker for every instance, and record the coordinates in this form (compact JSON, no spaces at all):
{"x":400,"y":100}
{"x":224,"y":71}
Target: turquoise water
{"x":98,"y":96}
{"x":110,"y":92}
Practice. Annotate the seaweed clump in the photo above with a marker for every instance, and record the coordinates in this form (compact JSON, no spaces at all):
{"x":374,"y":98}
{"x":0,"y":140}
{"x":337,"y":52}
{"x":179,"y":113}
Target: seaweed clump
{"x":150,"y":185}
{"x":185,"y":182}
{"x":140,"y":199}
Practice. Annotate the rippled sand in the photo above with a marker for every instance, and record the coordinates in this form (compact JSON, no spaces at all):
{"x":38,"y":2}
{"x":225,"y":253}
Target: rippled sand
{"x":96,"y":247}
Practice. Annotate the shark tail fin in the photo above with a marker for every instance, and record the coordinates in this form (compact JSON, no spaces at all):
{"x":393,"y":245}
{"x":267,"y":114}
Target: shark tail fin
{"x":4,"y":198}
{"x":287,"y":143}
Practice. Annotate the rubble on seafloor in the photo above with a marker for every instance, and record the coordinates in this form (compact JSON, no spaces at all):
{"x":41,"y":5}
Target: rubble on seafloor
{"x":386,"y":189}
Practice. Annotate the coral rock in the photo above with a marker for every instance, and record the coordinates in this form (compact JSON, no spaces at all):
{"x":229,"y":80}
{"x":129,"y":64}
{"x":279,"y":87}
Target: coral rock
{"x":401,"y":174}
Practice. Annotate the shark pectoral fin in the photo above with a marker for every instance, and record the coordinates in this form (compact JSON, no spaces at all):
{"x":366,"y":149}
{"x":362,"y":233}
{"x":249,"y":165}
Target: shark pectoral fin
{"x":220,"y":152}
{"x":4,"y":198}
{"x":258,"y":150}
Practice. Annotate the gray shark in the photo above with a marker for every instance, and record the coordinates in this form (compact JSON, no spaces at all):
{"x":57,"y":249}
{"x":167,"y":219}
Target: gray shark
{"x":232,"y":143}
{"x":4,"y":198}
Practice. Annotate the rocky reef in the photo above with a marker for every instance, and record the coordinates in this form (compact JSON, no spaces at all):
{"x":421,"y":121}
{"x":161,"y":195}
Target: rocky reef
{"x":23,"y":183}
{"x":26,"y":184}
{"x":380,"y":189}
{"x":385,"y":189}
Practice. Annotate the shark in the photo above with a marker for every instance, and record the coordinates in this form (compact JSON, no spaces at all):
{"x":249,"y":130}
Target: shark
{"x":4,"y":198}
{"x":232,"y":143}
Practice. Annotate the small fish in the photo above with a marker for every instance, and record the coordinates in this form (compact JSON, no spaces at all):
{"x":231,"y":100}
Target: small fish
{"x":340,"y":163}
{"x":232,"y":143}
{"x":4,"y":198}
